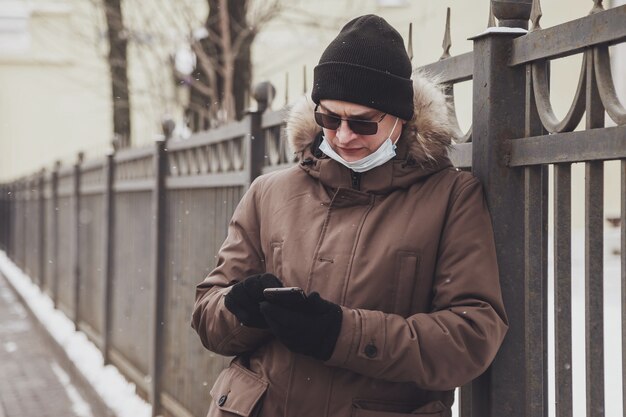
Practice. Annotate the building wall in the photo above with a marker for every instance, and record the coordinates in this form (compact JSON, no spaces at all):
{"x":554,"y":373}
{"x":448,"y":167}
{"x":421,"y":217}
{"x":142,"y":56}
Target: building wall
{"x":53,"y":92}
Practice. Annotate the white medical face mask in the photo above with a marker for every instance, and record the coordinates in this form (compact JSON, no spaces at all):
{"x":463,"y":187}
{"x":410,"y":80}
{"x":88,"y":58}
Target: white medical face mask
{"x":384,"y":153}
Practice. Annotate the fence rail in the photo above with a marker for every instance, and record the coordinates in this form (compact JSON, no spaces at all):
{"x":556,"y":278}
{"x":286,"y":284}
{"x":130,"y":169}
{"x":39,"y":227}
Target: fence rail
{"x":120,"y":242}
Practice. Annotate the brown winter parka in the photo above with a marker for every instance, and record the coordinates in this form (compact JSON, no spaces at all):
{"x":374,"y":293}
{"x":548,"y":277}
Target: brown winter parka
{"x":406,"y":249}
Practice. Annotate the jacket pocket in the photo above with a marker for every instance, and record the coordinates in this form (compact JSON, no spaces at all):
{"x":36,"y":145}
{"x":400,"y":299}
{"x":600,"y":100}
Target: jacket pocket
{"x":379,"y":409}
{"x":406,"y":268}
{"x":237,"y":391}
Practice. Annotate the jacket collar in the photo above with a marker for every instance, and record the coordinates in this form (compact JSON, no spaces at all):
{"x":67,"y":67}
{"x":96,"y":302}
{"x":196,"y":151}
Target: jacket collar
{"x":421,"y":150}
{"x":401,"y":172}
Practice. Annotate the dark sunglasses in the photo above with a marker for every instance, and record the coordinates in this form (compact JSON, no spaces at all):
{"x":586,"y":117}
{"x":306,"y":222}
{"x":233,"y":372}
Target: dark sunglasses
{"x":360,"y":127}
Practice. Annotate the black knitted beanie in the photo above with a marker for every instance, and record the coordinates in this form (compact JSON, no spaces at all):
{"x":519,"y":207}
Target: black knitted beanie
{"x":366,"y":64}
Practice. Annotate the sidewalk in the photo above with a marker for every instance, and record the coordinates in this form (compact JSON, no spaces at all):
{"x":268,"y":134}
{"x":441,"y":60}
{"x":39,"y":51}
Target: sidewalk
{"x":35,"y":379}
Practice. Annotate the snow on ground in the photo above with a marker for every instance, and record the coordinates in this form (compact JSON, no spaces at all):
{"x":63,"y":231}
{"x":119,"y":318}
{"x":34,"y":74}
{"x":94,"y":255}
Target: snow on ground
{"x":118,"y":394}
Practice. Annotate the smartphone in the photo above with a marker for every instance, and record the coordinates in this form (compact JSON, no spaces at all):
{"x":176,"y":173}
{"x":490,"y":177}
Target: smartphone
{"x":285,"y":296}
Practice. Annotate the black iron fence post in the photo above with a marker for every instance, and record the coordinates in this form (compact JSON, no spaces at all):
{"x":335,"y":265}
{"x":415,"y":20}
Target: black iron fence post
{"x":31,"y":252}
{"x":158,"y":276}
{"x":11,"y":237}
{"x":4,"y":199}
{"x":76,"y":239}
{"x":498,"y":115}
{"x":594,"y":255}
{"x":4,"y":216}
{"x":42,"y":229}
{"x":10,"y":220}
{"x":535,"y":265}
{"x":263,"y":93}
{"x":20,"y":214}
{"x":108,"y":266}
{"x":54,"y":206}
{"x":4,"y":220}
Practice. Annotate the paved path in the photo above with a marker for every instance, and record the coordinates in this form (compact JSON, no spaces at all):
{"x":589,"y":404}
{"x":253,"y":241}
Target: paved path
{"x":33,"y":381}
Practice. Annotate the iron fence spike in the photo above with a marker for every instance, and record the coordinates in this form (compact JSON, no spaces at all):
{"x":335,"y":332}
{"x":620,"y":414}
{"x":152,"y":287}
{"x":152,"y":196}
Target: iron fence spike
{"x":535,"y":15}
{"x":597,"y":7}
{"x":492,"y":19}
{"x":447,"y":41}
{"x":286,"y":88}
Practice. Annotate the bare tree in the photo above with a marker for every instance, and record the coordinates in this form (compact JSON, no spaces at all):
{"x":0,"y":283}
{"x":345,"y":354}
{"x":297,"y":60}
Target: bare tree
{"x":221,"y":81}
{"x":118,"y":64}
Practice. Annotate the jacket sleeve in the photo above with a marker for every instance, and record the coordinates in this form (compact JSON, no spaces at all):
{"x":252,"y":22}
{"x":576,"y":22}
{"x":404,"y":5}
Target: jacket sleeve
{"x":239,"y":257}
{"x":458,"y":339}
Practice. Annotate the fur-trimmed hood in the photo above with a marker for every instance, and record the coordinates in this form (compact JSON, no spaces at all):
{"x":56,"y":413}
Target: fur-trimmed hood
{"x":426,"y":136}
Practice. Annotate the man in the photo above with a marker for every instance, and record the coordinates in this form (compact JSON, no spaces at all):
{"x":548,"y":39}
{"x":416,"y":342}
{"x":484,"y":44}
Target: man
{"x":391,"y":244}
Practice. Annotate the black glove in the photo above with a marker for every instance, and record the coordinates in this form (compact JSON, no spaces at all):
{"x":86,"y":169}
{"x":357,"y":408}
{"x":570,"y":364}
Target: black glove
{"x":244,"y":298}
{"x":311,"y":327}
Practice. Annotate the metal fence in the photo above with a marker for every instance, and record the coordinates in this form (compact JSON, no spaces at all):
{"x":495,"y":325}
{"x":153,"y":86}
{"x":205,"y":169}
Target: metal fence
{"x":119,"y":243}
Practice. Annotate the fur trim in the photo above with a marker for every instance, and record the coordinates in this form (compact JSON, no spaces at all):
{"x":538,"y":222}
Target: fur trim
{"x":301,"y":126}
{"x":429,"y":133}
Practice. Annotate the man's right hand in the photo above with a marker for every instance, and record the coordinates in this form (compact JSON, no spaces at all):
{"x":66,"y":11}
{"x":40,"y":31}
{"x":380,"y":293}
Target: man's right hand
{"x":244,"y":298}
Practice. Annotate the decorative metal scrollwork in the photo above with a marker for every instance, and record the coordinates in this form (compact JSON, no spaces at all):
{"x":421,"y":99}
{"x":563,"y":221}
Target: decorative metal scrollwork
{"x":272,"y":147}
{"x":135,"y":169}
{"x":606,"y":88}
{"x":192,"y":157}
{"x":221,"y":157}
{"x":277,"y":149}
{"x":541,"y":90}
{"x":183,"y":164}
{"x":214,"y":160}
{"x":238,"y":155}
{"x":93,"y":176}
{"x":222,"y":151}
{"x":601,"y":66}
{"x":458,"y":135}
{"x":203,"y":159}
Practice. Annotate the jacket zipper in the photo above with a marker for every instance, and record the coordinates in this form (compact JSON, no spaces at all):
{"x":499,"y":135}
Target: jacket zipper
{"x":356,"y":180}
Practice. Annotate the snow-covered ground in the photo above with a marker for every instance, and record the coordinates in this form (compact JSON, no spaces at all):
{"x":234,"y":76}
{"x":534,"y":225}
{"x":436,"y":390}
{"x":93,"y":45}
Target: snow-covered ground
{"x":120,"y":395}
{"x":117,"y":393}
